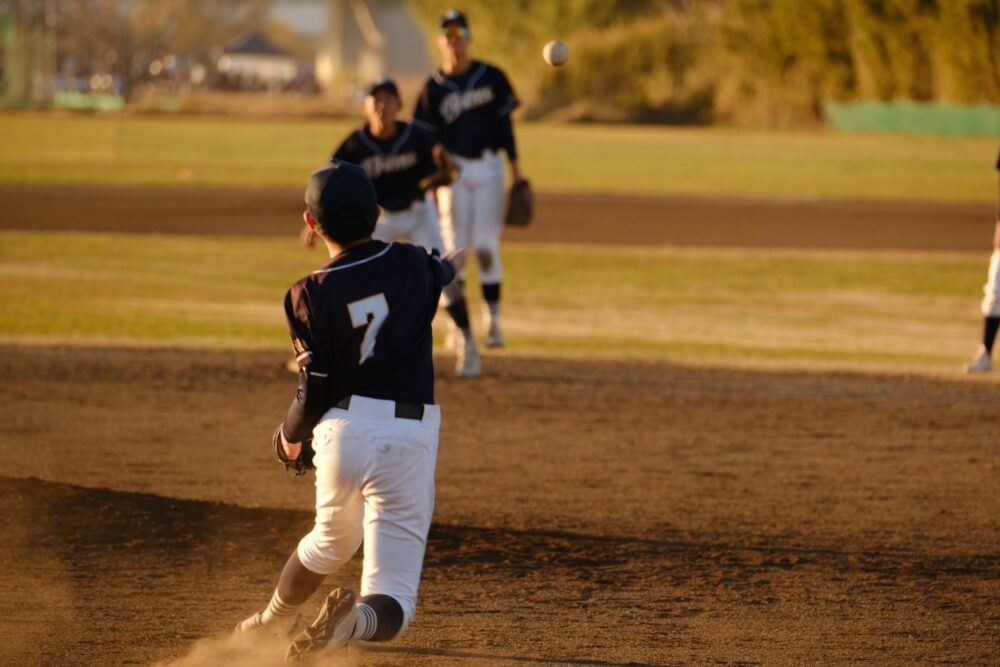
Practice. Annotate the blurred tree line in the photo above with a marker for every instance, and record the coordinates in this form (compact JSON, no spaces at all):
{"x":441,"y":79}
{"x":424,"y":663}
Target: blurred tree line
{"x":759,"y":62}
{"x":121,"y":39}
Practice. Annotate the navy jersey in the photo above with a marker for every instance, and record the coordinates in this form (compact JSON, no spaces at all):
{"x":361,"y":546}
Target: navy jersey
{"x":362,"y":325}
{"x":394,"y":165}
{"x":470,"y":112}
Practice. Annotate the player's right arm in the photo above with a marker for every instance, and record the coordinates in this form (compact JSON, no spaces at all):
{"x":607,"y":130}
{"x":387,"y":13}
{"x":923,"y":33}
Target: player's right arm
{"x":426,"y":115}
{"x":345,"y":150}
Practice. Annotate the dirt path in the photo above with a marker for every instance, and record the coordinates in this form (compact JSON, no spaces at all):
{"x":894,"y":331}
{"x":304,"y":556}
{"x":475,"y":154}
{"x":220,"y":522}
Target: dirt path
{"x":561,"y":218}
{"x":589,"y":513}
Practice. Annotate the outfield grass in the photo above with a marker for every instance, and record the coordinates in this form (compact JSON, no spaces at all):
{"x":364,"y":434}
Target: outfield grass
{"x":690,"y":305}
{"x":184,"y":151}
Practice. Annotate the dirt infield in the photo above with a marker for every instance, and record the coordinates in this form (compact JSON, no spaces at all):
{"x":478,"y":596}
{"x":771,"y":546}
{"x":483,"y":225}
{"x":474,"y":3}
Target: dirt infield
{"x":589,"y":513}
{"x":561,"y":218}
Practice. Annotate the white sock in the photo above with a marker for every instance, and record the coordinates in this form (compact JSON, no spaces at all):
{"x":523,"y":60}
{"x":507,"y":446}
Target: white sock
{"x":279,"y":613}
{"x":366,"y":624}
{"x":491,"y":312}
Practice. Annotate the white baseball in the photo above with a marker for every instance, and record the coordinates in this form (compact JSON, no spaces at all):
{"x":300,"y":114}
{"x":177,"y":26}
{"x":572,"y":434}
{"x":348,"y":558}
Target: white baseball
{"x":555,"y":53}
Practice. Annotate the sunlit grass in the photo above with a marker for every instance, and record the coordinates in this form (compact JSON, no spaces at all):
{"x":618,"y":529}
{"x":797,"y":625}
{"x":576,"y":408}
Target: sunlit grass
{"x":225,"y":152}
{"x":664,"y":303}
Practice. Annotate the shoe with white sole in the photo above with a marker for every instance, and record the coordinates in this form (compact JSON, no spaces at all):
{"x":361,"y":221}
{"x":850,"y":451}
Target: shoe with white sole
{"x":252,"y":624}
{"x":255,"y":624}
{"x":467,"y":364}
{"x":983,"y":362}
{"x":331,"y":630}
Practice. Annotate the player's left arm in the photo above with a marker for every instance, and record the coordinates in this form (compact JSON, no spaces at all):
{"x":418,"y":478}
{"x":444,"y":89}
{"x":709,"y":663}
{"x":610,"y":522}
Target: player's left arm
{"x":311,"y":399}
{"x":506,"y":101}
{"x":510,"y":146}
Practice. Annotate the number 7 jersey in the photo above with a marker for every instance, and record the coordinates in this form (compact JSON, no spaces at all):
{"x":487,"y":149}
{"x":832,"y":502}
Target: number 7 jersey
{"x":361,"y":325}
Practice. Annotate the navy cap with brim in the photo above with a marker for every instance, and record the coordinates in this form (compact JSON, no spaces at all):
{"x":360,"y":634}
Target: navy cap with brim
{"x":454,"y":17}
{"x":386,"y":84}
{"x":341,"y":198}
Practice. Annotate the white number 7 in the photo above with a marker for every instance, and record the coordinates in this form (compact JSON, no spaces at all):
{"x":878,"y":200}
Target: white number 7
{"x":368,"y":312}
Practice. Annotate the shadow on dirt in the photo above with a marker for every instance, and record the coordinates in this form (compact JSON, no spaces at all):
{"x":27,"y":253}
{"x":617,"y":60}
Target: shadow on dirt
{"x":150,"y":575}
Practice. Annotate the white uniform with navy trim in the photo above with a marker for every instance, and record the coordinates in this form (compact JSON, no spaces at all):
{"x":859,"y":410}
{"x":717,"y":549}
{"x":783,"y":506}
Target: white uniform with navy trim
{"x":361,"y":327}
{"x":470,"y":114}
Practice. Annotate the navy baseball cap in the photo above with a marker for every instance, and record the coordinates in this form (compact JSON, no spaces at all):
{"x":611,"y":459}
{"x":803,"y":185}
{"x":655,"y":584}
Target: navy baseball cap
{"x":454,"y":17}
{"x":383,"y":83}
{"x":341,"y":199}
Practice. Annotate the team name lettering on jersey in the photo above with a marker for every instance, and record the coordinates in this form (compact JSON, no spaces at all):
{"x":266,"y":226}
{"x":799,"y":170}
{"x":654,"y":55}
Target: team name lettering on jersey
{"x":454,"y":104}
{"x":377,"y":165}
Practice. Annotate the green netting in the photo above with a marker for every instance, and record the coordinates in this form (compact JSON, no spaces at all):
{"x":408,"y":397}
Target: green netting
{"x":88,"y":101}
{"x":914,"y":118}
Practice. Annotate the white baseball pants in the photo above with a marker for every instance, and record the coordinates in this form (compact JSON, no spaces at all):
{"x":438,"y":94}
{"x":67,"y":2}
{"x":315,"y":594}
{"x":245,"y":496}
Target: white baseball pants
{"x":991,"y":290}
{"x":472,"y":213}
{"x":374,"y":483}
{"x":417,"y":224}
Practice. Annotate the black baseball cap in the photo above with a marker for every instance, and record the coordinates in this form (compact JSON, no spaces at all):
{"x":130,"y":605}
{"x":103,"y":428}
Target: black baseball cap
{"x":341,"y":199}
{"x":454,"y":17}
{"x":383,"y":83}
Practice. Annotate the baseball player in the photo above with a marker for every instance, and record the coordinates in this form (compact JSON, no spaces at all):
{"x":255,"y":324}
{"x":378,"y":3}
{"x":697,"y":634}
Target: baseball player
{"x":991,"y":301}
{"x":468,"y":105}
{"x":361,"y":329}
{"x":399,"y":158}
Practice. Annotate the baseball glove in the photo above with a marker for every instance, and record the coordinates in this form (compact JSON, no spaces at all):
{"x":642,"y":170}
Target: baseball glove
{"x":520,"y":204}
{"x":298,"y":466}
{"x":445,"y":174}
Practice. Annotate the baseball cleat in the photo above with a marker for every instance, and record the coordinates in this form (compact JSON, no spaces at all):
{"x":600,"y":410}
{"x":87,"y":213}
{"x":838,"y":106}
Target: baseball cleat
{"x":331,"y":630}
{"x":252,"y":624}
{"x":467,"y":364}
{"x":981,"y":364}
{"x":255,"y":624}
{"x":494,"y":337}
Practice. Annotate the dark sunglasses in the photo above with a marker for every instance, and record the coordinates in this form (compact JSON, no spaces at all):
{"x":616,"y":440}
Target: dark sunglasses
{"x":455,"y":32}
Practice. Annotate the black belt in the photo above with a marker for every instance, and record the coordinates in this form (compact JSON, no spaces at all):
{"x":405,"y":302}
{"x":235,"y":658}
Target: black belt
{"x":476,"y":156}
{"x":403,"y":410}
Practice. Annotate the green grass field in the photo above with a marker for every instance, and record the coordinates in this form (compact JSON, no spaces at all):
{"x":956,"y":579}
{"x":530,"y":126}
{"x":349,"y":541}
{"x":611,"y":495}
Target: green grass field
{"x":843,"y":309}
{"x":184,"y":151}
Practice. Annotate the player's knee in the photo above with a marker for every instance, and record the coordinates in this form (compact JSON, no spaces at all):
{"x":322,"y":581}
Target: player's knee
{"x":486,"y":257}
{"x":321,"y":555}
{"x":393,"y":615}
{"x":489,"y":264}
